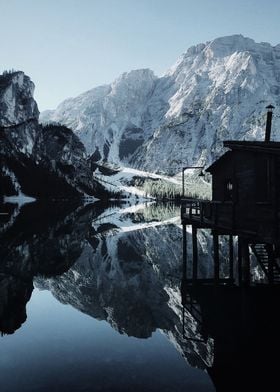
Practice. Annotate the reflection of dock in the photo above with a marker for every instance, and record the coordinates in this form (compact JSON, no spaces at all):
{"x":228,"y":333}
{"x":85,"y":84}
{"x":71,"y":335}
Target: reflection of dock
{"x":244,"y":325}
{"x":234,"y":306}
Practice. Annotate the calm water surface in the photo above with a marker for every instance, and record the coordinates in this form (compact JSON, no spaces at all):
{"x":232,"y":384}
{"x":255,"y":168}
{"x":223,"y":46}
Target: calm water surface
{"x":90,"y":300}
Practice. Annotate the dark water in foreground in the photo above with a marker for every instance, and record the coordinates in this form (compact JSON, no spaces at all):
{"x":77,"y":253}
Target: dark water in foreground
{"x":59,"y":348}
{"x":91,"y":299}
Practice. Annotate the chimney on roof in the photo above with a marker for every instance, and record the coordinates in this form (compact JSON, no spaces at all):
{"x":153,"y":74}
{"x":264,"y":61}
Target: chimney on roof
{"x":268,"y":122}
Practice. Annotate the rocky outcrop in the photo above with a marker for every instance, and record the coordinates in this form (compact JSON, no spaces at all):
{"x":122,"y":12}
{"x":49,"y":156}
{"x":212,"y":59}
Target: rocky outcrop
{"x":17,"y":105}
{"x":60,"y":151}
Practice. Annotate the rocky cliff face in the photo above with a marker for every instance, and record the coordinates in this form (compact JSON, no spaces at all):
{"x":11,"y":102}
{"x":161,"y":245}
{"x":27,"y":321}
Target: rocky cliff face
{"x":215,"y":91}
{"x":18,"y":112}
{"x":16,"y":97}
{"x":35,"y":160}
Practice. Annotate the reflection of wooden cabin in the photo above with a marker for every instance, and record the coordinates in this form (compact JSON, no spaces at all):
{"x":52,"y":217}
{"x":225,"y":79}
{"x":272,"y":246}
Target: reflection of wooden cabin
{"x":245,"y":189}
{"x":244,"y":325}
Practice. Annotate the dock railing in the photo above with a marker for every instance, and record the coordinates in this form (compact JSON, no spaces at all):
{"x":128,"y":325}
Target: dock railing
{"x":191,"y":209}
{"x":207,"y":212}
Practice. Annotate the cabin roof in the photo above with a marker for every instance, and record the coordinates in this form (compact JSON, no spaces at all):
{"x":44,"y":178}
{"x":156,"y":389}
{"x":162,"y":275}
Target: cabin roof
{"x":218,"y":161}
{"x":251,"y":146}
{"x":258,"y":146}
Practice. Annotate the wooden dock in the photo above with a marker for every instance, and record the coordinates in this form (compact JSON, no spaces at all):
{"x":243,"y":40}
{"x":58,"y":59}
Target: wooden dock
{"x":265,"y":247}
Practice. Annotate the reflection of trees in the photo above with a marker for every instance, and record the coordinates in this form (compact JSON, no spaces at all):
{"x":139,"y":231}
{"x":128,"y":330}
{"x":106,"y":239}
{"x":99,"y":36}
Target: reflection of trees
{"x":43,"y":240}
{"x":156,"y":212}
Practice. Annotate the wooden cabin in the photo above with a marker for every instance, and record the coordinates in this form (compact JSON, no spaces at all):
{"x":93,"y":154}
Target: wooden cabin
{"x":245,"y":189}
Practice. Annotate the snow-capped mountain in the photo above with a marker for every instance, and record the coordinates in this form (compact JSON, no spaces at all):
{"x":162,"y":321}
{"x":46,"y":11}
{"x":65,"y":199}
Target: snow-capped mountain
{"x":215,"y":91}
{"x":109,"y":119}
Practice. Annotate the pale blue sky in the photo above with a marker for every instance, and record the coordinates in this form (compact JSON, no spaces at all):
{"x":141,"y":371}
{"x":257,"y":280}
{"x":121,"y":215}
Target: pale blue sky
{"x":70,"y":46}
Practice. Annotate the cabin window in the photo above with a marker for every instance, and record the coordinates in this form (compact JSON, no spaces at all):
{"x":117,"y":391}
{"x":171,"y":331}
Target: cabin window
{"x":228,"y":190}
{"x":263,"y":179}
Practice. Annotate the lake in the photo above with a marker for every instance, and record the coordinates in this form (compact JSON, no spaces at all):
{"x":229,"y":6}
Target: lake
{"x":93,"y":298}
{"x":91,"y":301}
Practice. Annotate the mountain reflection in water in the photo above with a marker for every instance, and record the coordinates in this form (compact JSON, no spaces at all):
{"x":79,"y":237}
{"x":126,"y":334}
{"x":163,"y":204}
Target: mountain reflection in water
{"x":121,"y":265}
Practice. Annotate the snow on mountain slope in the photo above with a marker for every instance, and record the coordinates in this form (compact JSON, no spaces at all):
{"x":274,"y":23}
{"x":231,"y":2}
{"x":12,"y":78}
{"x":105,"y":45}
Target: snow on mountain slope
{"x":107,"y":116}
{"x":215,"y":91}
{"x":135,"y":217}
{"x":131,"y":181}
